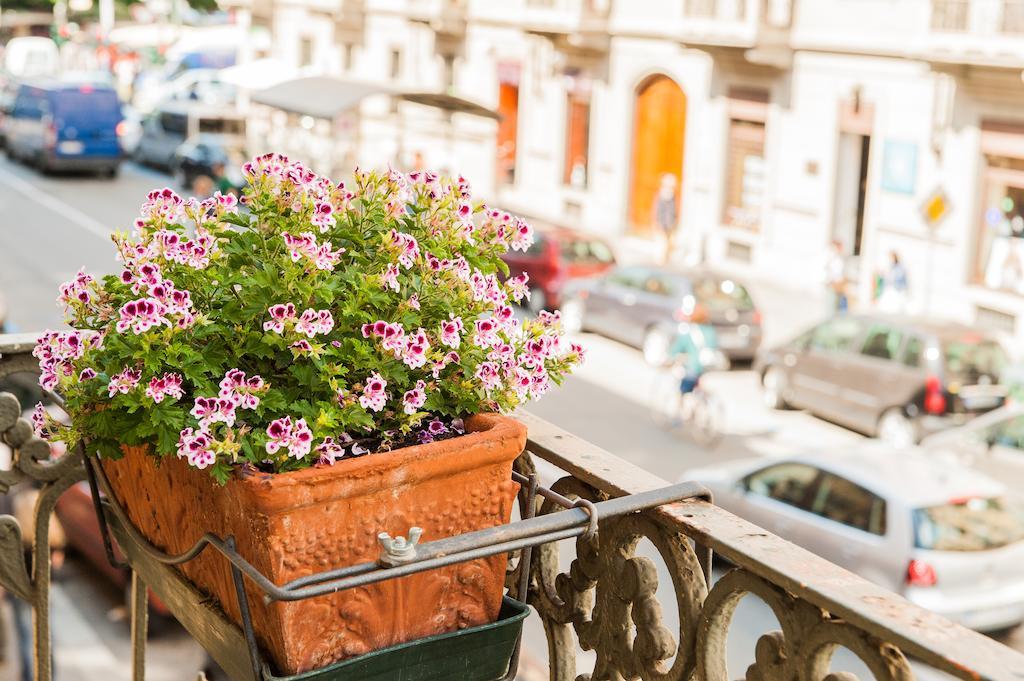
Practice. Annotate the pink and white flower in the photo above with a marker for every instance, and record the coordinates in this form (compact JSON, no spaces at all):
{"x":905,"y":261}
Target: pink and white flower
{"x":141,"y":315}
{"x":196,"y":447}
{"x":414,"y":354}
{"x":522,"y":236}
{"x":124,"y":382}
{"x":241,"y":391}
{"x":487,"y":372}
{"x":374,"y":395}
{"x":486,"y":333}
{"x":390,"y":277}
{"x":166,"y":386}
{"x":518,"y":287}
{"x":210,"y":410}
{"x":451,"y":330}
{"x":414,"y":399}
{"x":313,"y":322}
{"x":280,"y":314}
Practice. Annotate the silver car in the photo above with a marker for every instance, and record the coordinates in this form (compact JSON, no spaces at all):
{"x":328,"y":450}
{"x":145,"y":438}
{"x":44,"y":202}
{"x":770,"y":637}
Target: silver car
{"x":943,"y":536}
{"x":992,"y":443}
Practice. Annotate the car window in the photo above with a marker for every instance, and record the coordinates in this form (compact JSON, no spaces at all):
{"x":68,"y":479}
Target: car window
{"x":661,"y":285}
{"x":29,"y":105}
{"x":837,"y":334}
{"x":972,"y":360}
{"x":840,"y":500}
{"x":538,"y":246}
{"x":912,"y":352}
{"x":586,"y":250}
{"x":1009,"y":433}
{"x":222,"y":126}
{"x":629,"y":277}
{"x":789,"y":483}
{"x":969,"y":525}
{"x":882,"y":342}
{"x":174,"y":123}
{"x":719,"y":295}
{"x":87,"y":104}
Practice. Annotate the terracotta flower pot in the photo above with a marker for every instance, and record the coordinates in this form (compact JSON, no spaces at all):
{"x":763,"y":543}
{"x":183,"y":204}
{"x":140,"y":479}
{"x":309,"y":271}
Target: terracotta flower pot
{"x":295,"y":524}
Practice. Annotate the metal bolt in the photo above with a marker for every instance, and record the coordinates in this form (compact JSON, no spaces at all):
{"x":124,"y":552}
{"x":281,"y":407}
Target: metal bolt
{"x":399,"y":550}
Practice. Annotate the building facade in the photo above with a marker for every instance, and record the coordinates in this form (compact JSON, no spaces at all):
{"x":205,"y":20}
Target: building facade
{"x":889,"y":126}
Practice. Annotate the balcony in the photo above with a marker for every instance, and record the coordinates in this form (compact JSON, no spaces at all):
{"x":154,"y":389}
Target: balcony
{"x":444,"y":17}
{"x":580,"y":24}
{"x":608,"y":599}
{"x":976,"y":32}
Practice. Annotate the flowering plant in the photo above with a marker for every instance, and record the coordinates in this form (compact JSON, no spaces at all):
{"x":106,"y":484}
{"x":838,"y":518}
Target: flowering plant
{"x":317,"y":323}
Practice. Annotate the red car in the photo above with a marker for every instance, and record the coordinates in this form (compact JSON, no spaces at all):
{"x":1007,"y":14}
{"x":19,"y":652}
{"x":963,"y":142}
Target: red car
{"x":557,"y":256}
{"x":78,"y":518}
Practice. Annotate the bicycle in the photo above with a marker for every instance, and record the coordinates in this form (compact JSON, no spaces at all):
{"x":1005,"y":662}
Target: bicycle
{"x":698,"y":414}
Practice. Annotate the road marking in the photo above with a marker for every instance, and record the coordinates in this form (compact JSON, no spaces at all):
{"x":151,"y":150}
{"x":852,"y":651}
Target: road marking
{"x":66,"y":210}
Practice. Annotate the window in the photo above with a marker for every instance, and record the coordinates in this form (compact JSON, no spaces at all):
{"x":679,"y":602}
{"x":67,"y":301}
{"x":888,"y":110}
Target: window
{"x":912,"y":353}
{"x":968,"y":359}
{"x":745,"y":174}
{"x":306,"y":51}
{"x":174,"y":123}
{"x":974,"y":524}
{"x":630,"y":277}
{"x":586,"y":250}
{"x":1000,"y":241}
{"x":789,"y":483}
{"x":448,"y":75}
{"x":396,"y":64}
{"x":577,"y":139}
{"x":836,"y":335}
{"x":882,"y":342}
{"x":844,"y":502}
{"x":346,"y":56}
{"x":720,"y":295}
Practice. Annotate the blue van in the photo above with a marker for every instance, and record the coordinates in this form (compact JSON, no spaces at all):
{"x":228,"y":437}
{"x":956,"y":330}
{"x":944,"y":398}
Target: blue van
{"x":66,"y":126}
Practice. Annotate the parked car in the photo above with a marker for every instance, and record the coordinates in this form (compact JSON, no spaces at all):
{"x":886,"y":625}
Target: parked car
{"x":199,"y":155}
{"x":943,"y":536}
{"x":556,"y":257}
{"x":895,"y":378}
{"x":65,"y":126}
{"x":77,"y":516}
{"x":992,"y":443}
{"x":643,"y":306}
{"x":170,"y":126}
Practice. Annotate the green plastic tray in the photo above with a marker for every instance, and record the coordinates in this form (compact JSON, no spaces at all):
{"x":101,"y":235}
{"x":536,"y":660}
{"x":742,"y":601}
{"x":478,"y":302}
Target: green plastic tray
{"x":477,"y":654}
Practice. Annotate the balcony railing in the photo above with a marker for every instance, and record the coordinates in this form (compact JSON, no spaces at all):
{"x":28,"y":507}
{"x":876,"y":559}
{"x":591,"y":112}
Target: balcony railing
{"x":607,"y":600}
{"x":978,"y":16}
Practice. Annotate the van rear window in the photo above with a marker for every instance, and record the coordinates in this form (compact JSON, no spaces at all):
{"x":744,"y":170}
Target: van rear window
{"x":94,"y":104}
{"x":222,"y":126}
{"x":968,"y":360}
{"x":975,"y":524}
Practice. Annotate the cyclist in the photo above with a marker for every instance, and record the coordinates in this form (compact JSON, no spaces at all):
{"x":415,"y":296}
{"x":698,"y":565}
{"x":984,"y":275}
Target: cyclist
{"x":697,"y":344}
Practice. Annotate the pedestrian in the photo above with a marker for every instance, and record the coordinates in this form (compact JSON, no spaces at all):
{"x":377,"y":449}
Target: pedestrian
{"x":666,"y":213}
{"x":220,"y":178}
{"x":835,"y":279}
{"x":895,"y":287}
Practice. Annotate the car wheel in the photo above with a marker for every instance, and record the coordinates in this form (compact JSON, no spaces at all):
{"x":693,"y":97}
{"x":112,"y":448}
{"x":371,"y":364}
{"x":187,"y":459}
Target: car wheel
{"x":573,"y":311}
{"x":538,"y":300}
{"x":656,"y":345}
{"x":896,"y":429}
{"x":774,"y":385}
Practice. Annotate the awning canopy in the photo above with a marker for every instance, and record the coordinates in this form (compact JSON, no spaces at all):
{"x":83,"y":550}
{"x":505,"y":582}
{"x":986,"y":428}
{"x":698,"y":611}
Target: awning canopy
{"x":440,"y":100}
{"x":316,"y":96}
{"x":326,"y":97}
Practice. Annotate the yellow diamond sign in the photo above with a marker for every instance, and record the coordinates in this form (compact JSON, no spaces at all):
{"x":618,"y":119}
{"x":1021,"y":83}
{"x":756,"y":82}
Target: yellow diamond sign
{"x":935,"y":208}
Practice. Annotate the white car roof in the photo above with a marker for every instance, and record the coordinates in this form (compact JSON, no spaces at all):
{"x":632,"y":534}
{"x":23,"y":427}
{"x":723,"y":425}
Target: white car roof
{"x":910,"y":476}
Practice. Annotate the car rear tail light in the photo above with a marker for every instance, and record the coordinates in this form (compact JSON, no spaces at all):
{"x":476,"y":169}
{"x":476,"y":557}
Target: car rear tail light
{"x":920,"y":573}
{"x":757,"y":318}
{"x":121,"y":129}
{"x":51,"y":136}
{"x":934,"y":396}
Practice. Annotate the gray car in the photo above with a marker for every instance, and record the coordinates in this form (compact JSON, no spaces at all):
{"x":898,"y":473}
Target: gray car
{"x":896,"y":378}
{"x":643,"y":306}
{"x":945,"y":537}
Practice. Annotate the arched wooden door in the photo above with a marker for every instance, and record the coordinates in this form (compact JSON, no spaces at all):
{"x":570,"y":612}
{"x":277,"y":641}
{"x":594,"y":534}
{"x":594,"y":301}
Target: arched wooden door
{"x":659,"y":130}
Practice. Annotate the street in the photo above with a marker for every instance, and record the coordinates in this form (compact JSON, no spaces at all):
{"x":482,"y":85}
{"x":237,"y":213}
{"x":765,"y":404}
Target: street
{"x":54,"y":225}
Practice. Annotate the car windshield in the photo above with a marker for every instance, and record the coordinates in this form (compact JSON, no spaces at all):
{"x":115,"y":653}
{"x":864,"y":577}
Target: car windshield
{"x":586,"y":250}
{"x":973,"y":524}
{"x":86,"y":105}
{"x":969,"y":359}
{"x":222,"y":126}
{"x":719,"y":295}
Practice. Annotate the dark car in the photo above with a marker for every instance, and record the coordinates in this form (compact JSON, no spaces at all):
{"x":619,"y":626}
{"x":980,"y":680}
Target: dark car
{"x":556,"y":257}
{"x":165,"y":130}
{"x":65,"y":126}
{"x":643,"y":306}
{"x":896,"y":378}
{"x":202,"y":156}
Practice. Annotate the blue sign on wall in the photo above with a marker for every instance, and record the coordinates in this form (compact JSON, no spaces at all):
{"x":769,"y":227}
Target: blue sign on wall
{"x":899,"y":167}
